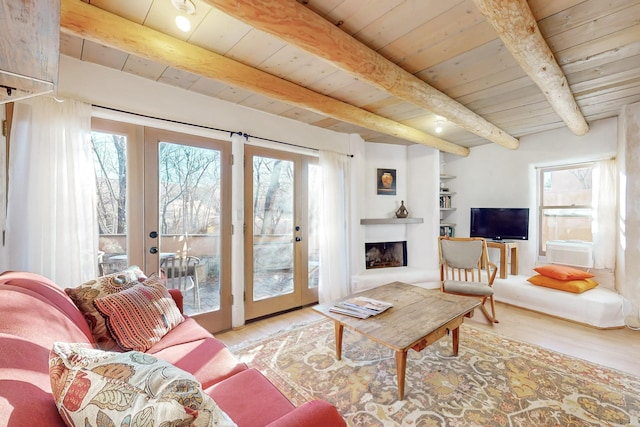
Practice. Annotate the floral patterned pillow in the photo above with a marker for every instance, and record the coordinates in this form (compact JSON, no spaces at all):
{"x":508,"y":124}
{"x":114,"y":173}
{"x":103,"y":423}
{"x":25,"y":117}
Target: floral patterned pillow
{"x":83,"y":296}
{"x":92,"y":387}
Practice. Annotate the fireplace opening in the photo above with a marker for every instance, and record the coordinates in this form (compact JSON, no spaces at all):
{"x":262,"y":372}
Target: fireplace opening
{"x":385,"y":254}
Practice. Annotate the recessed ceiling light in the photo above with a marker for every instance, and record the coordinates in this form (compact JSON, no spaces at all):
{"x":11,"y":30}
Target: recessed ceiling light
{"x":185,"y":7}
{"x":439,"y":126}
{"x":183,"y":23}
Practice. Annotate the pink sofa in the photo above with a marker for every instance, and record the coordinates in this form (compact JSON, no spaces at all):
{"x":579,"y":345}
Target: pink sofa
{"x":35,"y":313}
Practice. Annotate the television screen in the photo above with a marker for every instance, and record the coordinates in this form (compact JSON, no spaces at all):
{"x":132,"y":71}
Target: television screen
{"x":500,"y":223}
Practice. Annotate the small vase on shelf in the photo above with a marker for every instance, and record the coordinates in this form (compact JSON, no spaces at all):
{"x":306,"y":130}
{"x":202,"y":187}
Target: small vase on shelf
{"x":402,"y":211}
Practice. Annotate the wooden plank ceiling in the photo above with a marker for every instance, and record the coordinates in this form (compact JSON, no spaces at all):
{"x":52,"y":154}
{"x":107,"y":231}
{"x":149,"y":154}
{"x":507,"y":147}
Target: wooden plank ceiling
{"x":446,"y":48}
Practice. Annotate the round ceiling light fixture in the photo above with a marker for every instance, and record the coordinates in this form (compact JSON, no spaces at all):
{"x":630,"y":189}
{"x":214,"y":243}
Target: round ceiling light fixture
{"x":185,"y":7}
{"x":439,"y":126}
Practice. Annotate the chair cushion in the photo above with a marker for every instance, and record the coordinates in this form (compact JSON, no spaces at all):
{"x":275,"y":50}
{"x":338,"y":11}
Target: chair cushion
{"x":469,"y":288}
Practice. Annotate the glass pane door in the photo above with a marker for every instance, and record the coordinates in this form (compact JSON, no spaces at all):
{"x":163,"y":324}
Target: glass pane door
{"x":189,"y":232}
{"x":273,"y":230}
{"x":164,"y":204}
{"x":110,"y":145}
{"x":278,"y":242}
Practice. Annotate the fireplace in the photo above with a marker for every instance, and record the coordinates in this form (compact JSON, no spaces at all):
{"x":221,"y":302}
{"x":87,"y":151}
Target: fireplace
{"x":385,"y":254}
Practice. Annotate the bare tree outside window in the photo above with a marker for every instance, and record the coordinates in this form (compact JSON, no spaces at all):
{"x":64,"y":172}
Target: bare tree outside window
{"x":111,"y":181}
{"x":190,"y":189}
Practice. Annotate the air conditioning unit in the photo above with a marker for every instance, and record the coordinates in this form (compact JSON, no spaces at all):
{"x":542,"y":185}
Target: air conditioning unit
{"x":570,"y":252}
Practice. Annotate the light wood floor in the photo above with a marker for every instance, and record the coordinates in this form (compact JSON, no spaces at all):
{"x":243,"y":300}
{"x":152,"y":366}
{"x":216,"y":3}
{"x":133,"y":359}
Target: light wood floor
{"x":614,"y":348}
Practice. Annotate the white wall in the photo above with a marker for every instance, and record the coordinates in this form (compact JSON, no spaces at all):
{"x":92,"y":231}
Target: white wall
{"x":423,"y":171}
{"x":493,"y":176}
{"x":628,"y":253}
{"x":416,"y":184}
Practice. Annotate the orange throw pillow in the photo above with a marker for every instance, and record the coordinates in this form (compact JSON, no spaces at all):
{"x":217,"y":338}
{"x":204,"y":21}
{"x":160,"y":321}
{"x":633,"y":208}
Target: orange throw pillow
{"x":562,"y":272}
{"x":575,"y":286}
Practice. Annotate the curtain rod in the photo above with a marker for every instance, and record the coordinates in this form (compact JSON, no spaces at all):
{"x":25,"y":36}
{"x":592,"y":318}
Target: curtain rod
{"x":230,"y":132}
{"x":571,"y":165}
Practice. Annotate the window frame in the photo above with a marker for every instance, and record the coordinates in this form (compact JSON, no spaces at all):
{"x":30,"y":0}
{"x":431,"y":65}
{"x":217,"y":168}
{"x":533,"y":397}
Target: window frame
{"x":542,"y":208}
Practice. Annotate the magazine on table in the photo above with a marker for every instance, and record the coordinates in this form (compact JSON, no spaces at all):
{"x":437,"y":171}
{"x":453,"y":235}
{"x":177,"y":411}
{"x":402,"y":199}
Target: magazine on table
{"x":361,"y":307}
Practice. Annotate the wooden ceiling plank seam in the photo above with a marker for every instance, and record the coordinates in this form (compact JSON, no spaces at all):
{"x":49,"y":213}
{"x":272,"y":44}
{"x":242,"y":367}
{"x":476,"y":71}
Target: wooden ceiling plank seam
{"x":510,"y":89}
{"x":538,"y":128}
{"x":445,"y":26}
{"x":622,"y":67}
{"x":299,"y":26}
{"x":602,"y":60}
{"x":481,"y":86}
{"x":593,"y":99}
{"x":578,"y":15}
{"x":613,"y":87}
{"x":400,"y":21}
{"x":480,"y":64}
{"x":607,"y":81}
{"x":450,"y":48}
{"x":595,"y":29}
{"x":516,"y":26}
{"x":92,"y":23}
{"x":609,"y":43}
{"x":542,"y":9}
{"x":218,"y":32}
{"x":352,"y":16}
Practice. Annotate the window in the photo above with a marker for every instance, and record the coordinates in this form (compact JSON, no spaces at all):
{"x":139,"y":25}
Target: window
{"x":566,"y":204}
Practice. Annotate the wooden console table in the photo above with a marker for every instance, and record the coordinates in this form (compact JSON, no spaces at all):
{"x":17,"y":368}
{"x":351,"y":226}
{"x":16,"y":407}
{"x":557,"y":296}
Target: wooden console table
{"x":504,"y":247}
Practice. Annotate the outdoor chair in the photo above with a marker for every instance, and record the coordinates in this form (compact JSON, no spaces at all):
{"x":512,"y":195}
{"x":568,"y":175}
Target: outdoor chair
{"x":465,"y":269}
{"x":181,"y":272}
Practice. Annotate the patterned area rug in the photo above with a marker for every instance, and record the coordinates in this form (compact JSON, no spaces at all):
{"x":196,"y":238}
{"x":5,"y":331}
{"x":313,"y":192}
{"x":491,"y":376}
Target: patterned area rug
{"x":494,"y":381}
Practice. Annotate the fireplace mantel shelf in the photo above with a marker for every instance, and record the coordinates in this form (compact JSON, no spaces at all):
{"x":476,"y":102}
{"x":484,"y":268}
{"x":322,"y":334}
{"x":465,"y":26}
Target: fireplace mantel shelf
{"x":372,"y":221}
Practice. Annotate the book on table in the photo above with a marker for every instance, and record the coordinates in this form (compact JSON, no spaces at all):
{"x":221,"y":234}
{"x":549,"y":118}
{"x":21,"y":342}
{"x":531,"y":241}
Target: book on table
{"x":361,"y":307}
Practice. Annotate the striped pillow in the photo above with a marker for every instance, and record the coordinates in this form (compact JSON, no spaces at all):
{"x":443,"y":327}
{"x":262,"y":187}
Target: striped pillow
{"x":140,"y":316}
{"x":84,"y":295}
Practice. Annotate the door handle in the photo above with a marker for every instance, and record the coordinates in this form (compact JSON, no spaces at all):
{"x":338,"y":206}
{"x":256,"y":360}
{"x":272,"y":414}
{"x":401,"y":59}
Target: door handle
{"x":153,"y":250}
{"x":298,"y":238}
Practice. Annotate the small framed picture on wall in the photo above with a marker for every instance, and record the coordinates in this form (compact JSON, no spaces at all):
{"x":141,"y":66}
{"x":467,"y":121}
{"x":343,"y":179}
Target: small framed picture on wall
{"x":386,"y":181}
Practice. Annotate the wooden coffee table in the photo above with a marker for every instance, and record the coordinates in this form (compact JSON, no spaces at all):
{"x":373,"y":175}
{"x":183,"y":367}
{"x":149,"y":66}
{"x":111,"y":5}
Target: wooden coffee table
{"x":418,"y":318}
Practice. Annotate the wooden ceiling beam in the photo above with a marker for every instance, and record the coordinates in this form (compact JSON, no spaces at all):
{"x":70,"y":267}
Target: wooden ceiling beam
{"x":83,"y":20}
{"x":518,"y":29}
{"x":299,"y":26}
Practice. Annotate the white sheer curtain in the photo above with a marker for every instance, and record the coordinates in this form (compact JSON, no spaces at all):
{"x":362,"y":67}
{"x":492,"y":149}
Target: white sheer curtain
{"x":335,"y":276}
{"x":604,"y":227}
{"x":51,"y":221}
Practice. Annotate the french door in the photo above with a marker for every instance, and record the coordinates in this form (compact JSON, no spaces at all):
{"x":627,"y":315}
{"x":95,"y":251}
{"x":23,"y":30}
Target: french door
{"x":163,"y":196}
{"x":281,"y":223}
{"x":187,"y":218}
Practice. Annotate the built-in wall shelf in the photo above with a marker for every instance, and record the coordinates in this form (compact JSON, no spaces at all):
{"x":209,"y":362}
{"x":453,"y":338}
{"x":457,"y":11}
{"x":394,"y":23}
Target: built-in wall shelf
{"x":372,"y":221}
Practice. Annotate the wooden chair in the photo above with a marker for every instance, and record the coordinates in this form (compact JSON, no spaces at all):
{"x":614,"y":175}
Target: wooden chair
{"x":181,"y":272}
{"x":465,"y":269}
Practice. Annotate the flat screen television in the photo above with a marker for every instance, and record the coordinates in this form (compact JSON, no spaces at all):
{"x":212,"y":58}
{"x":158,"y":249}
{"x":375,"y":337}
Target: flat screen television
{"x":500,"y":223}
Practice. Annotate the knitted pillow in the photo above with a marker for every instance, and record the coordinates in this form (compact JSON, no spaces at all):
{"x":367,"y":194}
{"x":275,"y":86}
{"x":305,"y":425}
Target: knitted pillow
{"x":140,"y":316}
{"x":83,"y":296}
{"x":100,"y":388}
